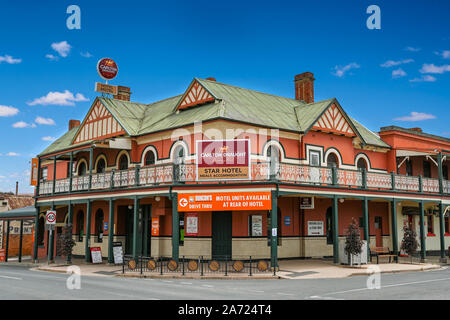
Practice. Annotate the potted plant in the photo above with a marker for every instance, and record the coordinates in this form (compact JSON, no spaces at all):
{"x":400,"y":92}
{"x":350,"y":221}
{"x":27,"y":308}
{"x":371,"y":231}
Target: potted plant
{"x":353,"y":242}
{"x":409,"y":242}
{"x":66,"y":243}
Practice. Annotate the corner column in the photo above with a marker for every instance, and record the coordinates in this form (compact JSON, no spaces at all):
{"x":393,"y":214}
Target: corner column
{"x":274,"y":230}
{"x":335,"y":225}
{"x":70,"y":223}
{"x":423,"y":248}
{"x":111,"y":232}
{"x":175,"y":228}
{"x":87,"y":253}
{"x":442,"y":232}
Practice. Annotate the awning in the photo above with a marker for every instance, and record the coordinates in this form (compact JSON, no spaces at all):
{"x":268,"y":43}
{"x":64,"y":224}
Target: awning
{"x":409,"y":153}
{"x":26,"y":212}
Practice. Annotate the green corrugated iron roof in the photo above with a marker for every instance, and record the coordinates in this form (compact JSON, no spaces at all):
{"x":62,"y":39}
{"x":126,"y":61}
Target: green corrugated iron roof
{"x":232,"y":103}
{"x":19,"y":213}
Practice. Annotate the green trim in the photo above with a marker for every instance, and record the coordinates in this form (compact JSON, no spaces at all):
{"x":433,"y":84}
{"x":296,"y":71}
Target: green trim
{"x":423,"y":248}
{"x":335,"y":226}
{"x":366,"y":224}
{"x":394,"y":226}
{"x":135,"y":227}
{"x":87,"y":253}
{"x":175,"y":227}
{"x":274,"y":226}
{"x":111,"y":231}
{"x":442,"y":230}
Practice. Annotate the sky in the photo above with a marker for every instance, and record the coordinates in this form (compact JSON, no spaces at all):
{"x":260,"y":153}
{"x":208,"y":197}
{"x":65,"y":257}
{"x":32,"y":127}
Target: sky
{"x":396,"y":75}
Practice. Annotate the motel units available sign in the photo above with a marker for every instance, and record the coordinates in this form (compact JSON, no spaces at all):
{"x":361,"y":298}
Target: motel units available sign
{"x":230,"y":201}
{"x":223,"y":160}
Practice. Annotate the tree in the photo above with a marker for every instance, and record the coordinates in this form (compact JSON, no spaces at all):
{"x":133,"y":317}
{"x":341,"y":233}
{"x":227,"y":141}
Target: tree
{"x":353,"y":243}
{"x":409,"y":242}
{"x":66,"y":243}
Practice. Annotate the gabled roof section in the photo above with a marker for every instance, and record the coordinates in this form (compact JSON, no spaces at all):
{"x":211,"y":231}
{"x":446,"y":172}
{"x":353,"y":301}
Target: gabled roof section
{"x":334,"y":121}
{"x":98,"y":124}
{"x":195,"y":95}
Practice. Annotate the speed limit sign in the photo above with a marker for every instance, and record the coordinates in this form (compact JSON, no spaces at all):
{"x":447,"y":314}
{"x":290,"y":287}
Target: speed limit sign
{"x":50,"y":218}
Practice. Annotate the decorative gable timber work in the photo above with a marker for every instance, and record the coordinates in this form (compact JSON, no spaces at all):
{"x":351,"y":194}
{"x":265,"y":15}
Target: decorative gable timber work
{"x":98,"y":124}
{"x":195,"y":95}
{"x":333,"y":120}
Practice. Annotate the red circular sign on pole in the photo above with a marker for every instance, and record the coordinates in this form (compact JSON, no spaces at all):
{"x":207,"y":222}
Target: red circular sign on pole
{"x":51,"y":217}
{"x":107,"y":68}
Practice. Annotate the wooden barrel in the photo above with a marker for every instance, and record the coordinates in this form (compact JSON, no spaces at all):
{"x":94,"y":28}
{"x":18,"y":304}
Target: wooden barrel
{"x":262,"y":265}
{"x":214,"y":265}
{"x":132,"y":264}
{"x":151,"y":265}
{"x":172,"y":265}
{"x":238,"y":266}
{"x":193,"y":265}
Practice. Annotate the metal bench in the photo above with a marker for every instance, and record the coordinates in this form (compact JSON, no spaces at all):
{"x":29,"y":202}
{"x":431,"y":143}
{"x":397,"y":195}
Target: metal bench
{"x":383,"y":252}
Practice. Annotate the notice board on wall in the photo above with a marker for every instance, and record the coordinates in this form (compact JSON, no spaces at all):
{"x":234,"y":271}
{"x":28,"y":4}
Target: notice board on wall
{"x":191,"y":227}
{"x":257,"y":226}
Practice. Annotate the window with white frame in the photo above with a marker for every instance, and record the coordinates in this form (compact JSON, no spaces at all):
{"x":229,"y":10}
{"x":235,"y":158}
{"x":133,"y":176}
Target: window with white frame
{"x":314,"y":158}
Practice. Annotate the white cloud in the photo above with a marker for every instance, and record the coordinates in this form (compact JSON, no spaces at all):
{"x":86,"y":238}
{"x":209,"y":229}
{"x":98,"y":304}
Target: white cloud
{"x":48,"y":138}
{"x":65,"y":98}
{"x":9,"y":59}
{"x":391,"y":63}
{"x":444,"y":54}
{"x":412,"y":49}
{"x":22,"y":124}
{"x":340,"y":71}
{"x":8,"y":111}
{"x":12,"y":154}
{"x":51,"y":57}
{"x":431,"y":68}
{"x":45,"y":121}
{"x":398,"y":73}
{"x":416,"y":116}
{"x":426,"y":78}
{"x":63,"y":48}
{"x":86,"y":54}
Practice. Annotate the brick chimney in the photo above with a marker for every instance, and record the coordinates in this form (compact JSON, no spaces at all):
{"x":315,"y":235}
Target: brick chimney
{"x":416,"y":129}
{"x":304,"y":87}
{"x":73,"y":124}
{"x":123,"y":93}
{"x":211,"y":79}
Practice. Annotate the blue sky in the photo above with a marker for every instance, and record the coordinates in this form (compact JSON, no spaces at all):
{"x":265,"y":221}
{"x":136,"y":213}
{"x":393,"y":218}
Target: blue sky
{"x":381,"y":77}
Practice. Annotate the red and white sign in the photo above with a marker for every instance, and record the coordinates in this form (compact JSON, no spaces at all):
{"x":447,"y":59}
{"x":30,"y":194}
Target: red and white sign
{"x":2,"y":255}
{"x":50,"y":218}
{"x":96,"y":254}
{"x":223,"y":160}
{"x":107,"y":69}
{"x":230,"y":201}
{"x":155,"y":226}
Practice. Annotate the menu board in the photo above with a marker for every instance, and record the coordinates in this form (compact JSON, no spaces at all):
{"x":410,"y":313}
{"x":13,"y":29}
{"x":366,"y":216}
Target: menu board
{"x":257,"y":226}
{"x":117,"y":252}
{"x":191,"y":228}
{"x":315,"y":228}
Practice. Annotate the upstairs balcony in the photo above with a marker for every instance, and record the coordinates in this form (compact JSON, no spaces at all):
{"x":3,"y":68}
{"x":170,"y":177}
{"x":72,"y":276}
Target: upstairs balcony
{"x":171,"y":174}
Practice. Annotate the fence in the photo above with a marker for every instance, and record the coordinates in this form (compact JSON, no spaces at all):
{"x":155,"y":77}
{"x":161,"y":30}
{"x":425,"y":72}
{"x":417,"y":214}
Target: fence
{"x":199,"y":265}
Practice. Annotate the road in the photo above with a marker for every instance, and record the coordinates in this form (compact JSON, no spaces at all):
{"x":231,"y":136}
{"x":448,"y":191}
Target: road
{"x":22,"y":283}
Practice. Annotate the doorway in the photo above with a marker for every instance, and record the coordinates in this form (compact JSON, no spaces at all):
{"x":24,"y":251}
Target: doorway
{"x":144,"y":231}
{"x":221,"y":235}
{"x":329,"y":217}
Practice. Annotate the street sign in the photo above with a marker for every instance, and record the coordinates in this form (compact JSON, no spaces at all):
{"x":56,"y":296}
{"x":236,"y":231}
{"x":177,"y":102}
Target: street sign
{"x":50,"y":217}
{"x":106,"y":88}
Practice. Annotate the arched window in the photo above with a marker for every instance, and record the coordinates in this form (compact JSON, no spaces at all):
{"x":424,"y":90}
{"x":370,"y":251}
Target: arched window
{"x":123,"y":162}
{"x":149,"y":158}
{"x":41,"y":231}
{"x":332,"y":160}
{"x":273,"y":153}
{"x":99,"y":217}
{"x":80,"y":225}
{"x":362,"y":164}
{"x":178,"y":155}
{"x":101,"y":166}
{"x":82,"y":169}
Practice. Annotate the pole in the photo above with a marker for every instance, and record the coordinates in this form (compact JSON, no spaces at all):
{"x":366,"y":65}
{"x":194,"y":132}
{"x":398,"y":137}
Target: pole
{"x":422,"y":233}
{"x":36,"y":231}
{"x":175,"y":227}
{"x":335,"y":227}
{"x":111,"y":232}
{"x":87,"y":255}
{"x":7,"y":241}
{"x":20,"y":240}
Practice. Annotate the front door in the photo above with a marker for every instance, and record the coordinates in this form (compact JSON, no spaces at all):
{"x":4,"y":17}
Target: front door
{"x":221,"y":235}
{"x":379,"y":231}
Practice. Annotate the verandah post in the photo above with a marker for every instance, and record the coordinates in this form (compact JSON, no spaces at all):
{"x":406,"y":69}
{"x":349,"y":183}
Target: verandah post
{"x":366,"y":224}
{"x":135,"y":227}
{"x":274,"y":230}
{"x":442,"y":232}
{"x":51,"y":242}
{"x":36,"y":230}
{"x":394,"y":227}
{"x":87,"y":253}
{"x":175,"y":227}
{"x":335,"y":225}
{"x":422,"y":232}
{"x":70,"y":222}
{"x":111,"y":232}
